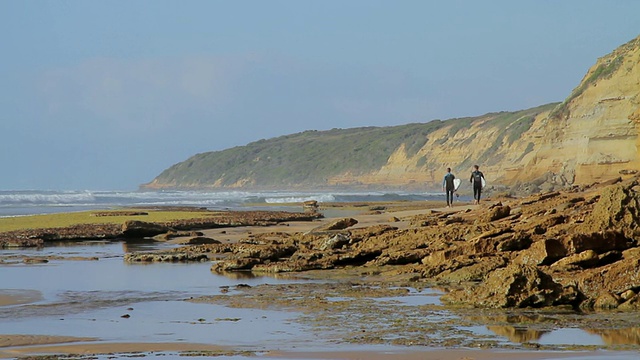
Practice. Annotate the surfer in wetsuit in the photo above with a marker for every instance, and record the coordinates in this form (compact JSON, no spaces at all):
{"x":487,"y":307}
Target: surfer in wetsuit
{"x":449,"y":187}
{"x":476,"y":180}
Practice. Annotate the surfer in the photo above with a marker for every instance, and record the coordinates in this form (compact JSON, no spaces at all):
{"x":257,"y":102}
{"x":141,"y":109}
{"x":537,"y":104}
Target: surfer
{"x":477,"y":179}
{"x":448,"y":186}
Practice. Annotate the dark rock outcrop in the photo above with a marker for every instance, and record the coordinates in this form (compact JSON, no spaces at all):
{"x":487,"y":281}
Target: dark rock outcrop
{"x":142,"y":229}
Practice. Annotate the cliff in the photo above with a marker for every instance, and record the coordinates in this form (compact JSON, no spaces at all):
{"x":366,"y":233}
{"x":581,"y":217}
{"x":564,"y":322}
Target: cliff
{"x":591,"y":136}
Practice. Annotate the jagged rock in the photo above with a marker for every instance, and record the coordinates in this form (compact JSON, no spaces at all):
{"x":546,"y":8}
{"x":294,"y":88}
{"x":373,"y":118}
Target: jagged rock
{"x":264,"y":252}
{"x":174,"y":234}
{"x":618,"y":277}
{"x":339,"y":224}
{"x":584,"y":259}
{"x":600,"y":242}
{"x":438,"y":258}
{"x":497,"y":213}
{"x":518,"y":241}
{"x":289,"y":266}
{"x":165,"y":257}
{"x":514,"y":286}
{"x":35,"y":261}
{"x":617,"y":208}
{"x":142,"y":229}
{"x":198,"y":240}
{"x":310,"y":206}
{"x":358,"y":235}
{"x":336,"y":242}
{"x":235,"y":264}
{"x":18,"y":243}
{"x":549,"y":222}
{"x":542,"y":252}
{"x":468,"y":269}
{"x":400,"y":257}
{"x":607,"y":301}
{"x":633,"y":304}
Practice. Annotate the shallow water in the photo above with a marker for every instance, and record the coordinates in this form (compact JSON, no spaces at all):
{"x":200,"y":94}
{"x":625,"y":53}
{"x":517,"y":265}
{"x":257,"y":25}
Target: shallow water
{"x":119,"y":302}
{"x":89,"y":298}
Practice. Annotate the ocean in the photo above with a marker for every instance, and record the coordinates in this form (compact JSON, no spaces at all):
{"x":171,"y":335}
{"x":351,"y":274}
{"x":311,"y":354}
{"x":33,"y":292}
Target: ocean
{"x":30,"y":202}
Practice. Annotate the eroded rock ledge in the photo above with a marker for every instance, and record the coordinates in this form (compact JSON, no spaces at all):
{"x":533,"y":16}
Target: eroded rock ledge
{"x":575,"y":248}
{"x":143,"y":229}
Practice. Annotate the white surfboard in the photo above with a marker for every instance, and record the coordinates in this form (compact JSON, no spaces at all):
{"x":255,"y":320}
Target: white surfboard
{"x":484,"y":183}
{"x":456,"y":184}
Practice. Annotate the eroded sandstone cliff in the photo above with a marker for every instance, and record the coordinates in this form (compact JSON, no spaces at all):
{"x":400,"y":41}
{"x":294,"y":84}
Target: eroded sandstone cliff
{"x":591,"y":136}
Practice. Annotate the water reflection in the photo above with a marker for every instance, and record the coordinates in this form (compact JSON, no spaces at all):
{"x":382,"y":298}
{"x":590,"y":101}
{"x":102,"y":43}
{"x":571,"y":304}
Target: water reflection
{"x":240,"y":275}
{"x":618,"y":336}
{"x":531,"y":328}
{"x":136,"y":245}
{"x":516,"y":334}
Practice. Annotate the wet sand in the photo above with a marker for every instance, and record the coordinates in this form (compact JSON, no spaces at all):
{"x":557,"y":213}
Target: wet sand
{"x":18,"y":297}
{"x":38,"y":345}
{"x":17,"y":345}
{"x":446,"y":354}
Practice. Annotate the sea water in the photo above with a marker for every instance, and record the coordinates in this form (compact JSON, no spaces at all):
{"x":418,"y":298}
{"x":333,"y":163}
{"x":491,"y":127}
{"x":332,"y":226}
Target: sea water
{"x":27,"y":202}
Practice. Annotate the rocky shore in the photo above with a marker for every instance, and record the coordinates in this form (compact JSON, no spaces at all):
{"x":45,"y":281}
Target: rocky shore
{"x":140,"y":229}
{"x":575,"y":248}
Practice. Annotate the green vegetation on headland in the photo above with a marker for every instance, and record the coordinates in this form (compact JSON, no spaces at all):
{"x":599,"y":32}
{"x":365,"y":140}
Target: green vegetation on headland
{"x":310,"y":158}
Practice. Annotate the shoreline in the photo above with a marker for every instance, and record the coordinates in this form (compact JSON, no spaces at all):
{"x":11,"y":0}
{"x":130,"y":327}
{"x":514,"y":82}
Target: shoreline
{"x":402,"y":221}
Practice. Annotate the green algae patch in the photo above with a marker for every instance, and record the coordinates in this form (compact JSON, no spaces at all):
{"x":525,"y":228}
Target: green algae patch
{"x":117,"y":217}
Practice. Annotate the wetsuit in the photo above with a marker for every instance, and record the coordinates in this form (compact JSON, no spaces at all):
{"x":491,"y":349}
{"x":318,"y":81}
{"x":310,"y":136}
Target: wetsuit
{"x":476,"y":179}
{"x":447,"y":183}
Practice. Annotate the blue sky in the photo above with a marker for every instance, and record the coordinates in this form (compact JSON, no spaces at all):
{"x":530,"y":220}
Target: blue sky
{"x":104,"y":95}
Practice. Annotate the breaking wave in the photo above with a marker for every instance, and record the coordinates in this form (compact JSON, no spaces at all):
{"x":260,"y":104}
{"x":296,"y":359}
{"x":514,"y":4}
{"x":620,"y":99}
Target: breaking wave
{"x":26,"y":202}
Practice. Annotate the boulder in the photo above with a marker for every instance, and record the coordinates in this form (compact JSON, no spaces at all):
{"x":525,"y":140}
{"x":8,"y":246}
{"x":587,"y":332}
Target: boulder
{"x":627,"y":295}
{"x":197,"y":240}
{"x":336,"y":242}
{"x":607,"y":301}
{"x":542,"y":252}
{"x":142,"y":229}
{"x":632,"y":304}
{"x":310,"y":206}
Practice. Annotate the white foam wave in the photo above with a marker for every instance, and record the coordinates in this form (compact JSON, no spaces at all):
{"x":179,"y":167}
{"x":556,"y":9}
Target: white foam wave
{"x":301,"y":198}
{"x":47,"y":198}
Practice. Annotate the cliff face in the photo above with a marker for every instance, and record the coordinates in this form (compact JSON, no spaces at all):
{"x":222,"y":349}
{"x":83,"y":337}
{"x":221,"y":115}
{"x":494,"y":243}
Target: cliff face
{"x":591,"y":136}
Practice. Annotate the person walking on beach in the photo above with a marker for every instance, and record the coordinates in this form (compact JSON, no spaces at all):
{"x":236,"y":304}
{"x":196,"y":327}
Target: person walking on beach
{"x":448,"y":186}
{"x":476,"y":179}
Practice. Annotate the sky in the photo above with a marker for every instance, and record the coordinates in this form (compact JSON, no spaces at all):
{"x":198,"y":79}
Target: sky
{"x":105,"y":95}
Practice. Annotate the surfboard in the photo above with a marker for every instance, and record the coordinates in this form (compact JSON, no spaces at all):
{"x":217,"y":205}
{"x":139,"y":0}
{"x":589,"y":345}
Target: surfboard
{"x":484,"y":183}
{"x":456,"y":184}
